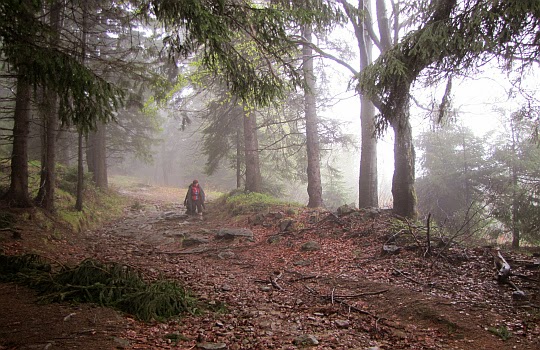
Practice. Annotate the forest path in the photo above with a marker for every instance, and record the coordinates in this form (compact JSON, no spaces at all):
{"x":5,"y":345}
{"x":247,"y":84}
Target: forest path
{"x":276,"y":294}
{"x":272,"y":293}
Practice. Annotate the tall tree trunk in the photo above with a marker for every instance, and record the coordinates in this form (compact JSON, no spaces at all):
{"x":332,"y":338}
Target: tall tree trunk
{"x":96,"y":156}
{"x":45,"y":196}
{"x":89,"y":152}
{"x":368,"y":192}
{"x":395,"y":109}
{"x":403,"y":191}
{"x":238,"y":154}
{"x":468,"y":190}
{"x":80,"y":160}
{"x":80,"y":173}
{"x":515,"y":199}
{"x":314,"y":187}
{"x":17,"y":194}
{"x":64,"y":146}
{"x":251,"y":144}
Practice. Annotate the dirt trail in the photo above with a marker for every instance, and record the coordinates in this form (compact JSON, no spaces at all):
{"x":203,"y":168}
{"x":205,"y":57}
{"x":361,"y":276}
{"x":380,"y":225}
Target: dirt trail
{"x":272,"y":294}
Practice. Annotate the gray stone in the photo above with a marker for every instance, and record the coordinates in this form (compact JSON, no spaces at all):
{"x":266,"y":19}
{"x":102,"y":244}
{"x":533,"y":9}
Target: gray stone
{"x":519,"y":295}
{"x":122,"y":343}
{"x":257,"y":219}
{"x":342,"y":323}
{"x":310,"y":246}
{"x":193,"y":241}
{"x":390,"y":249}
{"x":372,"y":212}
{"x":302,"y":263}
{"x":306,"y":340}
{"x":227,"y":254}
{"x":226,"y":288}
{"x":231,"y":233}
{"x":273,"y":239}
{"x":345,"y":209}
{"x":277,"y":215}
{"x":171,"y":215}
{"x":287,"y":225}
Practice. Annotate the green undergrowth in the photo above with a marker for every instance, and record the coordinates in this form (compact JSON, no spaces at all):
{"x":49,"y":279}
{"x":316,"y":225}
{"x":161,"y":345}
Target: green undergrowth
{"x":127,"y":182}
{"x":106,"y":284}
{"x":501,"y":331}
{"x":240,"y":203}
{"x":99,"y":205}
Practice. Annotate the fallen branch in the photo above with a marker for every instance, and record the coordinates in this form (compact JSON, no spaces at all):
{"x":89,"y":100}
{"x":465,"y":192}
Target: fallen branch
{"x":407,"y":277}
{"x":274,"y":279}
{"x":333,"y":300}
{"x":503,"y":274}
{"x":359,"y":295}
{"x":303,"y":278}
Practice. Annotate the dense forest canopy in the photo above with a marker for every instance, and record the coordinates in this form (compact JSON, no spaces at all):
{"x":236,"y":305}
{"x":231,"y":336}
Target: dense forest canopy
{"x":233,"y":91}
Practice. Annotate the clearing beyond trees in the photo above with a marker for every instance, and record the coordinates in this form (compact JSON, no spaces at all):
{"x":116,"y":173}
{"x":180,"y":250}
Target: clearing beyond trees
{"x":280,"y":278}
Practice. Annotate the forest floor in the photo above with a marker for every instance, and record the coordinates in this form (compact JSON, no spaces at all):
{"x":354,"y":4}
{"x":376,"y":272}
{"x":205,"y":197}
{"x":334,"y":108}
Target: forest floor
{"x":275,"y":292}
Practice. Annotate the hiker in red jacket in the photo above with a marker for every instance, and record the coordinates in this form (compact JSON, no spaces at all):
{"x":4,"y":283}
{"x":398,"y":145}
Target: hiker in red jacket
{"x":194,"y":201}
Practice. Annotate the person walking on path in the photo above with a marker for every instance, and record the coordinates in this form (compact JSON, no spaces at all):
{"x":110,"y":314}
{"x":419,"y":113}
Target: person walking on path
{"x":194,"y":201}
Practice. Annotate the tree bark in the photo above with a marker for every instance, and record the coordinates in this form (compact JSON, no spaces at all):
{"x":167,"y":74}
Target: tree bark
{"x":314,"y":187}
{"x":17,"y":194}
{"x":80,"y":153}
{"x":64,"y":150}
{"x":403,"y":191}
{"x":97,"y":156}
{"x":515,"y":199}
{"x":368,"y":191}
{"x":47,"y":184}
{"x":80,"y":174}
{"x":45,"y":196}
{"x":395,"y":109}
{"x":251,"y":144}
{"x":239,"y":154}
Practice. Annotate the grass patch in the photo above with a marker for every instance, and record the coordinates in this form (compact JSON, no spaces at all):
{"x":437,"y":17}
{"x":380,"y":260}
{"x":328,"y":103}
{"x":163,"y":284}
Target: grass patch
{"x":98,"y":206}
{"x":238,"y":203}
{"x":126,"y":182}
{"x":501,"y":331}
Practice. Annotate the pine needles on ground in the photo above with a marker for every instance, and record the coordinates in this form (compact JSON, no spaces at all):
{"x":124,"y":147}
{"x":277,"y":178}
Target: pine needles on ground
{"x":107,"y":284}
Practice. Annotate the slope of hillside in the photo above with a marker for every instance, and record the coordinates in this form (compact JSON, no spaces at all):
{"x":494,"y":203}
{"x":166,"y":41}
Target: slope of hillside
{"x":281,"y":278}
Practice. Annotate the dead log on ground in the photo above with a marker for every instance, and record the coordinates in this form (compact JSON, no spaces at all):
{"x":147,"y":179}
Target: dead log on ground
{"x":504,"y":272}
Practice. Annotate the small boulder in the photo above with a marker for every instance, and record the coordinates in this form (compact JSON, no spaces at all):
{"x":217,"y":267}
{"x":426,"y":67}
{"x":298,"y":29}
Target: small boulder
{"x":345,"y":209}
{"x":273,"y":239}
{"x":390,"y":249}
{"x":306,"y":340}
{"x":310,"y":246}
{"x":232,"y":233}
{"x":287,"y":225}
{"x":193,"y":241}
{"x":227,"y":254}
